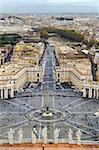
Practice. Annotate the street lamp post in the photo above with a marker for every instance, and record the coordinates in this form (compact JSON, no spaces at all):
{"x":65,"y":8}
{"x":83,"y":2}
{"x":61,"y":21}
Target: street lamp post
{"x":43,"y":147}
{"x":97,"y":114}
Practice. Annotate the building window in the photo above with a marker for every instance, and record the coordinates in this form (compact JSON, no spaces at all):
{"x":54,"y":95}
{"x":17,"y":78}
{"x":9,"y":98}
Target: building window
{"x":37,"y":80}
{"x":37,"y":74}
{"x":58,"y":75}
{"x":58,"y":80}
{"x":0,"y":93}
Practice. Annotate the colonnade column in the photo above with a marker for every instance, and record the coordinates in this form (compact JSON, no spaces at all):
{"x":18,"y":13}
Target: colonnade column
{"x":2,"y":94}
{"x":90,"y":93}
{"x":94,"y":93}
{"x":97,"y":93}
{"x":5,"y":93}
{"x":84,"y":92}
{"x":12,"y":92}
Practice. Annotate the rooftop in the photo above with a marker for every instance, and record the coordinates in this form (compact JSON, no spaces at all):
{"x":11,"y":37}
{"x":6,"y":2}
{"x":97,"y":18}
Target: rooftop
{"x":9,"y":70}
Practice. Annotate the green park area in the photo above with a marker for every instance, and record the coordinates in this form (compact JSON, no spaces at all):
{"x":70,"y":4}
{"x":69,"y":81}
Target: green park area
{"x":9,"y":39}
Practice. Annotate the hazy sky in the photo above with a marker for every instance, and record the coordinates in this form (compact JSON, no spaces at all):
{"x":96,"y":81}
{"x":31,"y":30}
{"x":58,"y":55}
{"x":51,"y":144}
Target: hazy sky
{"x":50,"y":6}
{"x":48,"y":1}
{"x":3,"y":2}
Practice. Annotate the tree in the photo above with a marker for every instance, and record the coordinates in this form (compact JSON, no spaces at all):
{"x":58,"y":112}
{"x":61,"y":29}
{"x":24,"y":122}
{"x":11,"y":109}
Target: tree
{"x":44,"y":34}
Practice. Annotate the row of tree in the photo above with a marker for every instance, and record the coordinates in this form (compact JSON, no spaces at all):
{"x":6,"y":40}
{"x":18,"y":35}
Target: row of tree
{"x":9,"y":39}
{"x":69,"y":34}
{"x":72,"y":35}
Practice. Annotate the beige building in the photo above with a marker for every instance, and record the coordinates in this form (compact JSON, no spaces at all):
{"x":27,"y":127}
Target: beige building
{"x":91,"y":89}
{"x":13,"y":77}
{"x":24,"y":67}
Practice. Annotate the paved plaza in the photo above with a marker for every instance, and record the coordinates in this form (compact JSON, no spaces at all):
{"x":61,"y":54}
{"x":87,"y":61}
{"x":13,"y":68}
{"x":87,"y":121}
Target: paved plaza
{"x":82,"y":111}
{"x":79,"y":112}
